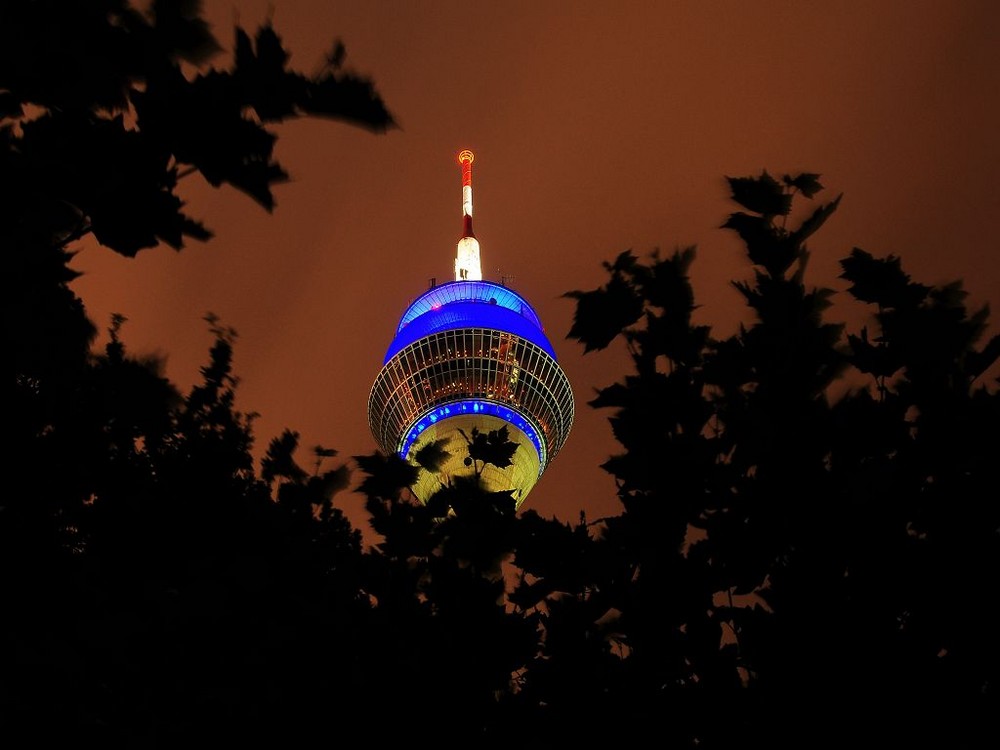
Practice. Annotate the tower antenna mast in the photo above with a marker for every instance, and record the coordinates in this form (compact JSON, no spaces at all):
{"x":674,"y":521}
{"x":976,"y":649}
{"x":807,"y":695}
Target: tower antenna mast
{"x":467,"y":264}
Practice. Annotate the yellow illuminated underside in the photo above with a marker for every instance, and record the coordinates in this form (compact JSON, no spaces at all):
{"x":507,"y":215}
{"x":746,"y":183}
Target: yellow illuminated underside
{"x":520,"y":477}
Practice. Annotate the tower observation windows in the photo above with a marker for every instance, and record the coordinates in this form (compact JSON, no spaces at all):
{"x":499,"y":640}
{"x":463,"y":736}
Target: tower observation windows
{"x":474,"y":363}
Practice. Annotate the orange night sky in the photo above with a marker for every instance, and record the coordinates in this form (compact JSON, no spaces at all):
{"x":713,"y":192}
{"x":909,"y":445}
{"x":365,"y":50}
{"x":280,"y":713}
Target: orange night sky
{"x":597,"y":128}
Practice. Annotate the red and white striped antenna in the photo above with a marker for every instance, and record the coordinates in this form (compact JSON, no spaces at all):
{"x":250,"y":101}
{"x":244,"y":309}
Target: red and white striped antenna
{"x":467,"y":264}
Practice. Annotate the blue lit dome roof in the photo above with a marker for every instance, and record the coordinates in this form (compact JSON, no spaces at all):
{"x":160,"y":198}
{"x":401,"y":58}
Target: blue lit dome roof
{"x":469,"y":304}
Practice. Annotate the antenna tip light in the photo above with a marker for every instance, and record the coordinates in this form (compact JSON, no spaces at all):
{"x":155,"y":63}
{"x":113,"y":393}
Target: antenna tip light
{"x":466,"y":157}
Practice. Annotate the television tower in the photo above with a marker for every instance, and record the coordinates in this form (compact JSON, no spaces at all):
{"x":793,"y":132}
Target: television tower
{"x":471,"y":355}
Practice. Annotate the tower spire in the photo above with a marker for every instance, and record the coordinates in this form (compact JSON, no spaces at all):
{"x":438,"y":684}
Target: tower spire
{"x":467,"y":265}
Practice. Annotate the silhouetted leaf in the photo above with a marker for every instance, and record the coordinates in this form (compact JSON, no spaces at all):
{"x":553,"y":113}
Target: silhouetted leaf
{"x":493,"y":447}
{"x":880,"y":361}
{"x":349,"y":98}
{"x":762,"y":195}
{"x":181,"y":30}
{"x":880,"y":281}
{"x":266,"y":86}
{"x":814,"y":222}
{"x":979,"y":362}
{"x":333,"y":481}
{"x":766,"y":246}
{"x":604,"y":313}
{"x":387,"y":475}
{"x":432,"y":455}
{"x":806,"y":183}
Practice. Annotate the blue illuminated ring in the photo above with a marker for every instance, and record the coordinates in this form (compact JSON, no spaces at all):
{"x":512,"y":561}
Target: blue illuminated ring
{"x":464,"y":407}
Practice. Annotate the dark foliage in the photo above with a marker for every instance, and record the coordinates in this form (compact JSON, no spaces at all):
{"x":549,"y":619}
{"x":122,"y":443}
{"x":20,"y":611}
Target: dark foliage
{"x":822,"y":556}
{"x":154,"y":589}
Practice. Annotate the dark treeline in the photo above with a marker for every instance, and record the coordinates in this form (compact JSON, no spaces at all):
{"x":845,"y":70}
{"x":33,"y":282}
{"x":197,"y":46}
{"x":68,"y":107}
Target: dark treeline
{"x":789,"y":568}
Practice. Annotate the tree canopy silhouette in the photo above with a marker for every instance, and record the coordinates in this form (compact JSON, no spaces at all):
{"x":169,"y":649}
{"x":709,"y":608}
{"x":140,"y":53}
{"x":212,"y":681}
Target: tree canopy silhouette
{"x":826,"y":554}
{"x":154,"y":588}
